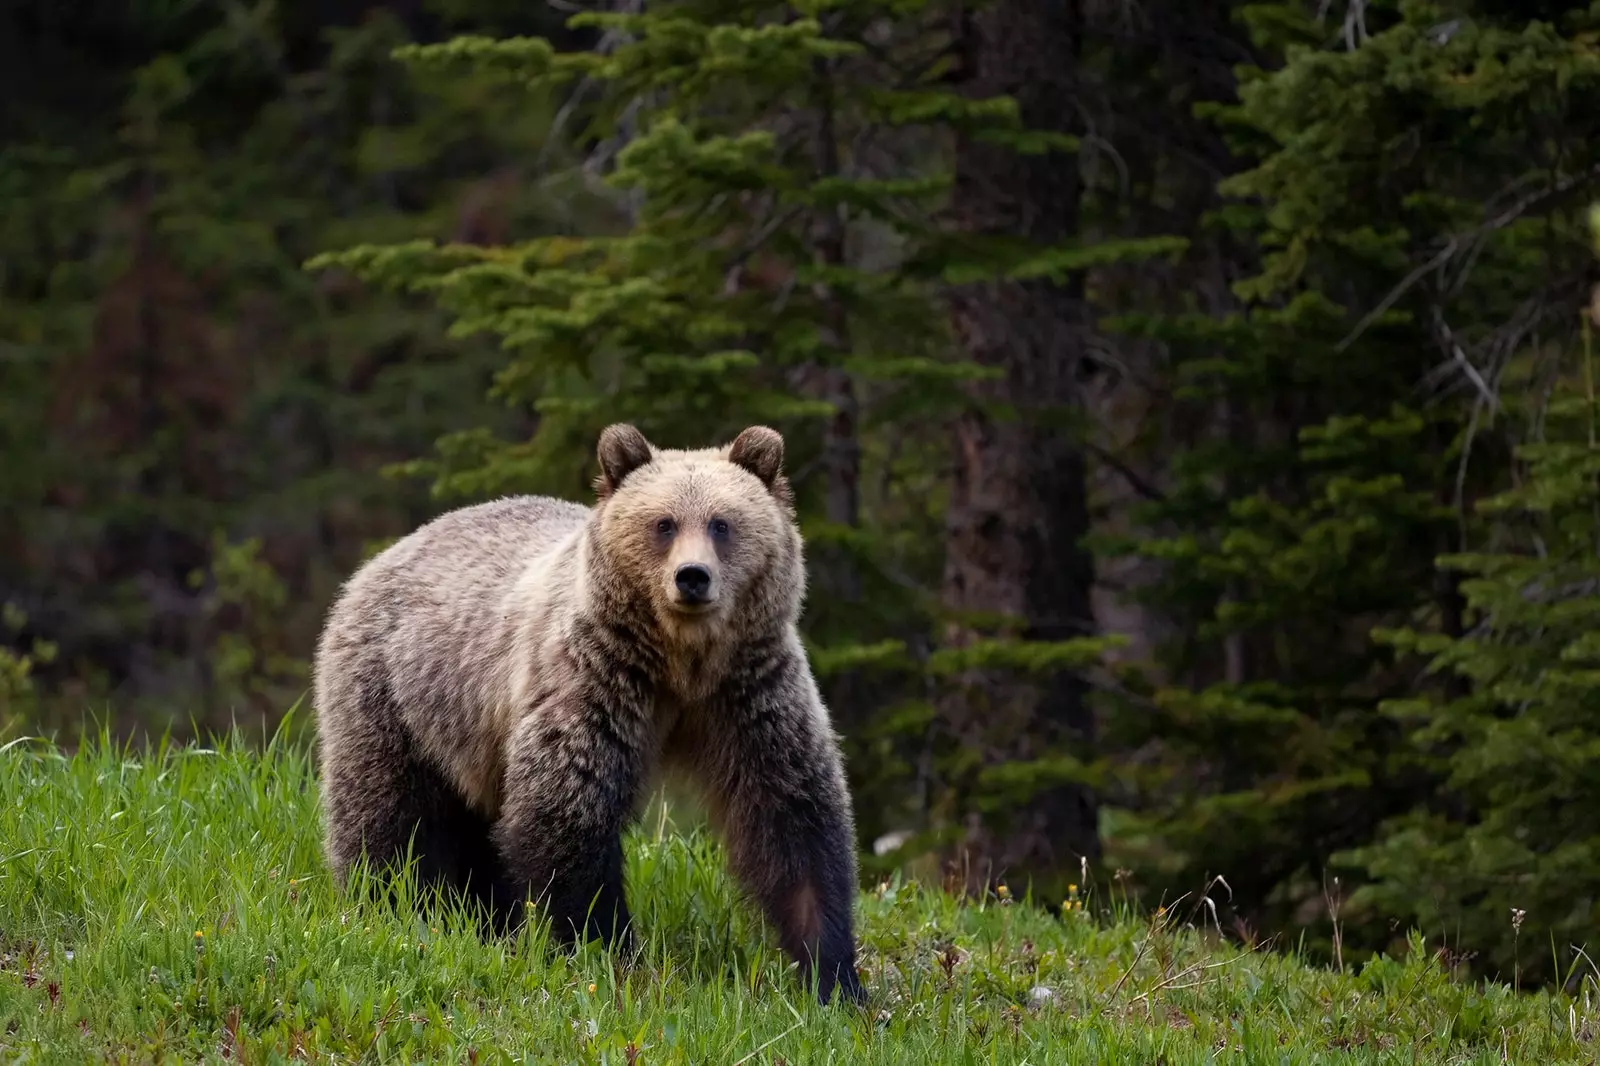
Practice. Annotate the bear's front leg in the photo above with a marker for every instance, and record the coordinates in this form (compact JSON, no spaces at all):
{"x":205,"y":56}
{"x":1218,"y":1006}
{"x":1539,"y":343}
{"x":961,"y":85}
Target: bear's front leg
{"x":572,"y":780}
{"x":780,"y":797}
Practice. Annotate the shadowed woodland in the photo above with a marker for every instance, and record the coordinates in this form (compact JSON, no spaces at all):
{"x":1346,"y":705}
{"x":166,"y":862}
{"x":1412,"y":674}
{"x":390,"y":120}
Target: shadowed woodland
{"x":1190,"y":406}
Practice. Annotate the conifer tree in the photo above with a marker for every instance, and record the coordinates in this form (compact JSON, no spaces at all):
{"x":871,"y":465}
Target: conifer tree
{"x":785,"y":169}
{"x":170,"y":372}
{"x":1413,"y":248}
{"x":1504,"y":860}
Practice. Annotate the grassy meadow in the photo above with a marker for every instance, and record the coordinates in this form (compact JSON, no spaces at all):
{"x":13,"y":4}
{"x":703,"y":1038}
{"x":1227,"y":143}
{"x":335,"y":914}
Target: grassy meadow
{"x":171,"y":905}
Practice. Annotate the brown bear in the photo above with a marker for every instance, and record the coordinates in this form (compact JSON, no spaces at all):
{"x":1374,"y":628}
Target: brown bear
{"x":498,"y":692}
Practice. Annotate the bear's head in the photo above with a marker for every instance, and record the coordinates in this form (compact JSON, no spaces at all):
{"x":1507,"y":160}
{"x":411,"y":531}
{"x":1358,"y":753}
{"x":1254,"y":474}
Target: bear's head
{"x":706,"y":536}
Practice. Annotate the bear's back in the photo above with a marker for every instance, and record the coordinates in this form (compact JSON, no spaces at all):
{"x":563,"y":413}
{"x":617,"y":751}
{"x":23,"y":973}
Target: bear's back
{"x":464,"y":557}
{"x":428,"y":619}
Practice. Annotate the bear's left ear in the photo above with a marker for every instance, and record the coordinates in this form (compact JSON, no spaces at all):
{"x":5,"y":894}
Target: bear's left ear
{"x":760,"y":451}
{"x":621,"y":451}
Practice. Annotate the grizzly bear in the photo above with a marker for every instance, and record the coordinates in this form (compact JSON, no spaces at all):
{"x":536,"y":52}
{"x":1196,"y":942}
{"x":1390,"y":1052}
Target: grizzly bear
{"x":498,"y":692}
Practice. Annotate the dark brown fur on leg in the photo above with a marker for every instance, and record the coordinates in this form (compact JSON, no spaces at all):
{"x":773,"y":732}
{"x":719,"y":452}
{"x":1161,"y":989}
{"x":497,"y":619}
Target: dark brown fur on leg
{"x":572,"y":785}
{"x":781,"y":804}
{"x":385,"y":801}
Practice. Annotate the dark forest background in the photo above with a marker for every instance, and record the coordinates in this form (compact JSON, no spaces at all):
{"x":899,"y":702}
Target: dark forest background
{"x":1191,"y":404}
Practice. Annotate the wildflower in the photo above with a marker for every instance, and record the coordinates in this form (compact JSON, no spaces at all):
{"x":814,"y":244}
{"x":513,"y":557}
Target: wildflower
{"x":591,"y":987}
{"x":1002,"y":891}
{"x":1517,"y":914}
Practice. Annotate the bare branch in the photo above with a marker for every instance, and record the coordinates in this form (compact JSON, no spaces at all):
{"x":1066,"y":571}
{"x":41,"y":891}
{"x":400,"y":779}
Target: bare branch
{"x":1456,"y":242}
{"x":1135,"y":481}
{"x":1447,"y":340}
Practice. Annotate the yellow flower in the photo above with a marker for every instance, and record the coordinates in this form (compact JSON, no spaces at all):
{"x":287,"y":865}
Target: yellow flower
{"x":1003,"y":891}
{"x":591,"y":987}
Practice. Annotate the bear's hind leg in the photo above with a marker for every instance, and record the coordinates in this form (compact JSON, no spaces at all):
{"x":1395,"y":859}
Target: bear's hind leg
{"x":383,"y":801}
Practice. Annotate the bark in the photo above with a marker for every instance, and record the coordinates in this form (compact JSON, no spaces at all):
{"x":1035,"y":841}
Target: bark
{"x":1019,"y":499}
{"x":841,"y":448}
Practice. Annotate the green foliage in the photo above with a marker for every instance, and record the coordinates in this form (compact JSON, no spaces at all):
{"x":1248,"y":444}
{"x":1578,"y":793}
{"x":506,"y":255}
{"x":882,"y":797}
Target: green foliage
{"x":171,"y":903}
{"x":17,"y":693}
{"x":655,"y":325}
{"x":1280,"y":535}
{"x":1505,"y":857}
{"x":1408,"y":234}
{"x":243,"y":598}
{"x":770,"y":272}
{"x":169,"y":370}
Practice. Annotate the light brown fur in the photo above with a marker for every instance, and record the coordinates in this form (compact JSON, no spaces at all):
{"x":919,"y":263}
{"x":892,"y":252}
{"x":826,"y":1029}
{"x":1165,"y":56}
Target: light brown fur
{"x":508,"y":681}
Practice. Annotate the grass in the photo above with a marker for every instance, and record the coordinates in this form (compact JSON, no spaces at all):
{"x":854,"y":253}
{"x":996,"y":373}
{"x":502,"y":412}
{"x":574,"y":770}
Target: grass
{"x":171,"y":905}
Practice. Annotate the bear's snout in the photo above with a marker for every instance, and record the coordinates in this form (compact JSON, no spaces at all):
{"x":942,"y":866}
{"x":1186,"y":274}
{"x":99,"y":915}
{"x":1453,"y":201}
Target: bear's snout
{"x":694,"y":584}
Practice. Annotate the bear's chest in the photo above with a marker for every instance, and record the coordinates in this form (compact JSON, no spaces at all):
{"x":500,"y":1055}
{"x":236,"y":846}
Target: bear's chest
{"x":685,"y":722}
{"x":691,"y":676}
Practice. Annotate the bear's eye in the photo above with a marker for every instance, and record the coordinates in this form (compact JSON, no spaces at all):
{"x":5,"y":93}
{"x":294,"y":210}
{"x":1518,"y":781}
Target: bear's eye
{"x":665,"y":527}
{"x":719,"y":528}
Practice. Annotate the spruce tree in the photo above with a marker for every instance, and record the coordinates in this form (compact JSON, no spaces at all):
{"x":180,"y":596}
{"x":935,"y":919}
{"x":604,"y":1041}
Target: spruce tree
{"x":784,"y":168}
{"x":1503,"y":861}
{"x":170,"y":372}
{"x":1413,"y":248}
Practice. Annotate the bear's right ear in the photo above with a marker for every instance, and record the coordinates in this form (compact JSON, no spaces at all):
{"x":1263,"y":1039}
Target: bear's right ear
{"x":621,"y":451}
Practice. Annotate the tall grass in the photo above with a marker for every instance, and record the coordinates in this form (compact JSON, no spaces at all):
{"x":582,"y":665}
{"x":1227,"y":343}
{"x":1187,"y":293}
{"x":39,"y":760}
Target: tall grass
{"x":171,"y":904}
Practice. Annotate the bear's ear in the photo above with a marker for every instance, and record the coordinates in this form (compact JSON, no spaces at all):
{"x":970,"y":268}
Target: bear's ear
{"x":621,"y":451}
{"x":760,"y":451}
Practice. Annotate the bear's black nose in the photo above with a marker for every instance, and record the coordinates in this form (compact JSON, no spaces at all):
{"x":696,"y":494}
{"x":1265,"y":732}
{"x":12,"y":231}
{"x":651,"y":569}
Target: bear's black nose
{"x":694,"y":582}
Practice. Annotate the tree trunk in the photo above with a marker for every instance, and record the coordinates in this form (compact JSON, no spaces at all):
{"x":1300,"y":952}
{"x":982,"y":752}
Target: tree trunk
{"x":1018,"y":504}
{"x":841,"y":448}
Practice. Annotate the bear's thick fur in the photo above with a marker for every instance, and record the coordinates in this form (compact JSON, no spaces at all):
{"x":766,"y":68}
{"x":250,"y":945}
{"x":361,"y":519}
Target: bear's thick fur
{"x":500,"y":689}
